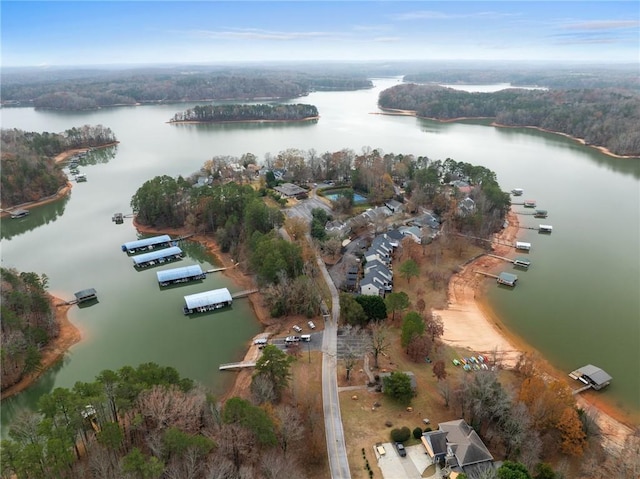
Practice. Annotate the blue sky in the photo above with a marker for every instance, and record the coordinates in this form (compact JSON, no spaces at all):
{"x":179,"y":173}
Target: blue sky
{"x":209,"y":31}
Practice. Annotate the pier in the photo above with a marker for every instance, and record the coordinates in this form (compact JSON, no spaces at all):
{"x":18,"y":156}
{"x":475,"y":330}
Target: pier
{"x":216,"y":270}
{"x":244,"y":294}
{"x":487,"y":274}
{"x":238,"y":365}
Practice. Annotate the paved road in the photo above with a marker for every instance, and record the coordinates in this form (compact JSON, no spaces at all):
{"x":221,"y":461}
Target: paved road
{"x":336,"y":449}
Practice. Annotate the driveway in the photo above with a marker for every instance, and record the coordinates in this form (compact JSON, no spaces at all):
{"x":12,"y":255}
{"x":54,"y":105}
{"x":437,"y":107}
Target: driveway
{"x":410,"y":467}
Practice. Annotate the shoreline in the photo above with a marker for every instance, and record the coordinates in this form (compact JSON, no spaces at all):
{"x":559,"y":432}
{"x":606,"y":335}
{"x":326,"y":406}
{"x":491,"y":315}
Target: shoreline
{"x":53,"y":352}
{"x":470,"y":322}
{"x":602,"y":149}
{"x":215,"y":122}
{"x":62,"y":191}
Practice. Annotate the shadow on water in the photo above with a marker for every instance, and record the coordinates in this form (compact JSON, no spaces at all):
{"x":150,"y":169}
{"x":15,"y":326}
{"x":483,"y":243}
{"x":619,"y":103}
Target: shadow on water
{"x":38,"y":216}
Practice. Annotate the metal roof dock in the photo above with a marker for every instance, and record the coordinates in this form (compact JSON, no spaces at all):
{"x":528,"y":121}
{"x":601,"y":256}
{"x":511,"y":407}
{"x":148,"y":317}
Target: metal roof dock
{"x":86,"y":295}
{"x":180,"y":275}
{"x":160,"y":256}
{"x":153,"y":242}
{"x":507,"y":279}
{"x":592,"y":376}
{"x":207,"y":301}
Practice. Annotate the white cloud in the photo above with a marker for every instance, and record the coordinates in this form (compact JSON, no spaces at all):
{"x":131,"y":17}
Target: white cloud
{"x":602,"y":25}
{"x":259,"y":34}
{"x":435,"y":15}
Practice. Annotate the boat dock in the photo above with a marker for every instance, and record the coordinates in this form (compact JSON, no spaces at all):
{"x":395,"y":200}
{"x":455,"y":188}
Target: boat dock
{"x":207,"y":301}
{"x":238,"y":365}
{"x":591,"y":376}
{"x":157,"y":257}
{"x":19,"y":213}
{"x":508,"y":279}
{"x":147,"y":244}
{"x":180,"y":275}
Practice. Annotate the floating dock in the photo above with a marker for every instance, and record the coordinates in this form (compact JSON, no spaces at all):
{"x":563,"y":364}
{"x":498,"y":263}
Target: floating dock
{"x":529,"y":203}
{"x":147,"y":244}
{"x":508,"y":279}
{"x":545,"y":229}
{"x":85,"y":295}
{"x":540,"y":214}
{"x":207,"y":301}
{"x":521,"y":262}
{"x":157,"y":257}
{"x":521,"y":245}
{"x":517,"y":191}
{"x":180,"y":275}
{"x":591,"y":376}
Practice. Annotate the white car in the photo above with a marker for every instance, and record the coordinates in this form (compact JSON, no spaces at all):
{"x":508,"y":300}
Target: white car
{"x":311,"y":325}
{"x":297,"y":328}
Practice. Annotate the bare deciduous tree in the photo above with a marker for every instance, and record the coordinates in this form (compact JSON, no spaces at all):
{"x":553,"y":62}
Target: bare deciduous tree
{"x":379,"y":341}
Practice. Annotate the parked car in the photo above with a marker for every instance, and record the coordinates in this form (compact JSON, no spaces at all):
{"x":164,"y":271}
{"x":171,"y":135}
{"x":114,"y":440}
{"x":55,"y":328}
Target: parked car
{"x":291,"y":339}
{"x":306,"y":338}
{"x":297,"y":328}
{"x":401,"y":450}
{"x":311,"y":325}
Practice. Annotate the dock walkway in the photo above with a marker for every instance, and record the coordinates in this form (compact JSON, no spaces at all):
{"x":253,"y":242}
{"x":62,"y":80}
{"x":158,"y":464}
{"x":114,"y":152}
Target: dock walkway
{"x":238,"y":365}
{"x":244,"y":294}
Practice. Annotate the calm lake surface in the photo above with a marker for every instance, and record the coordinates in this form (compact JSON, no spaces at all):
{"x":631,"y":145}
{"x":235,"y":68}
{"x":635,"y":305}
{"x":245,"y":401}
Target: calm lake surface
{"x":577,"y":304}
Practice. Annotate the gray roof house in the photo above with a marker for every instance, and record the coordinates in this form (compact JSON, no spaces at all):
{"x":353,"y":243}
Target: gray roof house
{"x":394,"y":205}
{"x":290,"y":190}
{"x":466,"y":206}
{"x":464,"y":450}
{"x":373,"y":283}
{"x":413,"y":232}
{"x":380,"y":267}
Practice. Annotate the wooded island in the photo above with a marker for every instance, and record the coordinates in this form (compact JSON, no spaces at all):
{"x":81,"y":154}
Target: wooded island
{"x":239,"y":112}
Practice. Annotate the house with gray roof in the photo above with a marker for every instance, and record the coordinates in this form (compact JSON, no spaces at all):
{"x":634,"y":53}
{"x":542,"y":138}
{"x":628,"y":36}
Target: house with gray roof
{"x":374,"y":283}
{"x":290,"y":190}
{"x":458,"y":445}
{"x":394,"y":206}
{"x":466,"y":206}
{"x":412,"y":232}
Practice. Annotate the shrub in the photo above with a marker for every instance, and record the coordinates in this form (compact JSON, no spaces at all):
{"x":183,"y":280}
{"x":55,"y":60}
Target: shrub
{"x":400,"y":435}
{"x":417,"y":433}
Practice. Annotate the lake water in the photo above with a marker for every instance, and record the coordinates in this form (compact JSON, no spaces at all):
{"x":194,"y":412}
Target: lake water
{"x":578,"y":303}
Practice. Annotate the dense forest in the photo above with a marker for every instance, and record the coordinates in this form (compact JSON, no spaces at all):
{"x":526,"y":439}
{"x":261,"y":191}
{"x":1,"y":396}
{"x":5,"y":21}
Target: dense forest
{"x":556,"y":77}
{"x":602,"y":117}
{"x":28,"y":170}
{"x":28,"y":323}
{"x":239,"y":112}
{"x":148,"y":422}
{"x":111,"y":88}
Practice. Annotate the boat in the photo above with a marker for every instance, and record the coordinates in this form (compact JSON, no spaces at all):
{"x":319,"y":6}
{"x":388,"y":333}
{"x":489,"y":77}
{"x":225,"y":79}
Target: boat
{"x":81,"y":177}
{"x":529,"y":203}
{"x":517,"y":191}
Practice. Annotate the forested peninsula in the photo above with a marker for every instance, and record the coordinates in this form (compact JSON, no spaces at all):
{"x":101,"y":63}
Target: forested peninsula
{"x":29,"y":172}
{"x":92,"y":89}
{"x":28,"y":323}
{"x":240,"y":112}
{"x":606,"y":118}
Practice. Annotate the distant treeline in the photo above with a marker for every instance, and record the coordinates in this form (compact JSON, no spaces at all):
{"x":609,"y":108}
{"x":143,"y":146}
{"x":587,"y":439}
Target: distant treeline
{"x":239,"y":112}
{"x":127,"y":88}
{"x":602,"y":117}
{"x":28,"y":323}
{"x":28,"y":171}
{"x":554,"y":78}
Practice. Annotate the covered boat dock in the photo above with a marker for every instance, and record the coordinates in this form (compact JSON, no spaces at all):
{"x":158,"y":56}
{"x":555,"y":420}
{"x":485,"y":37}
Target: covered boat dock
{"x":592,"y":376}
{"x":207,"y":301}
{"x":157,"y":257}
{"x":147,"y":244}
{"x":508,"y":279}
{"x":86,"y":295}
{"x":180,"y":275}
{"x":19,"y":213}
